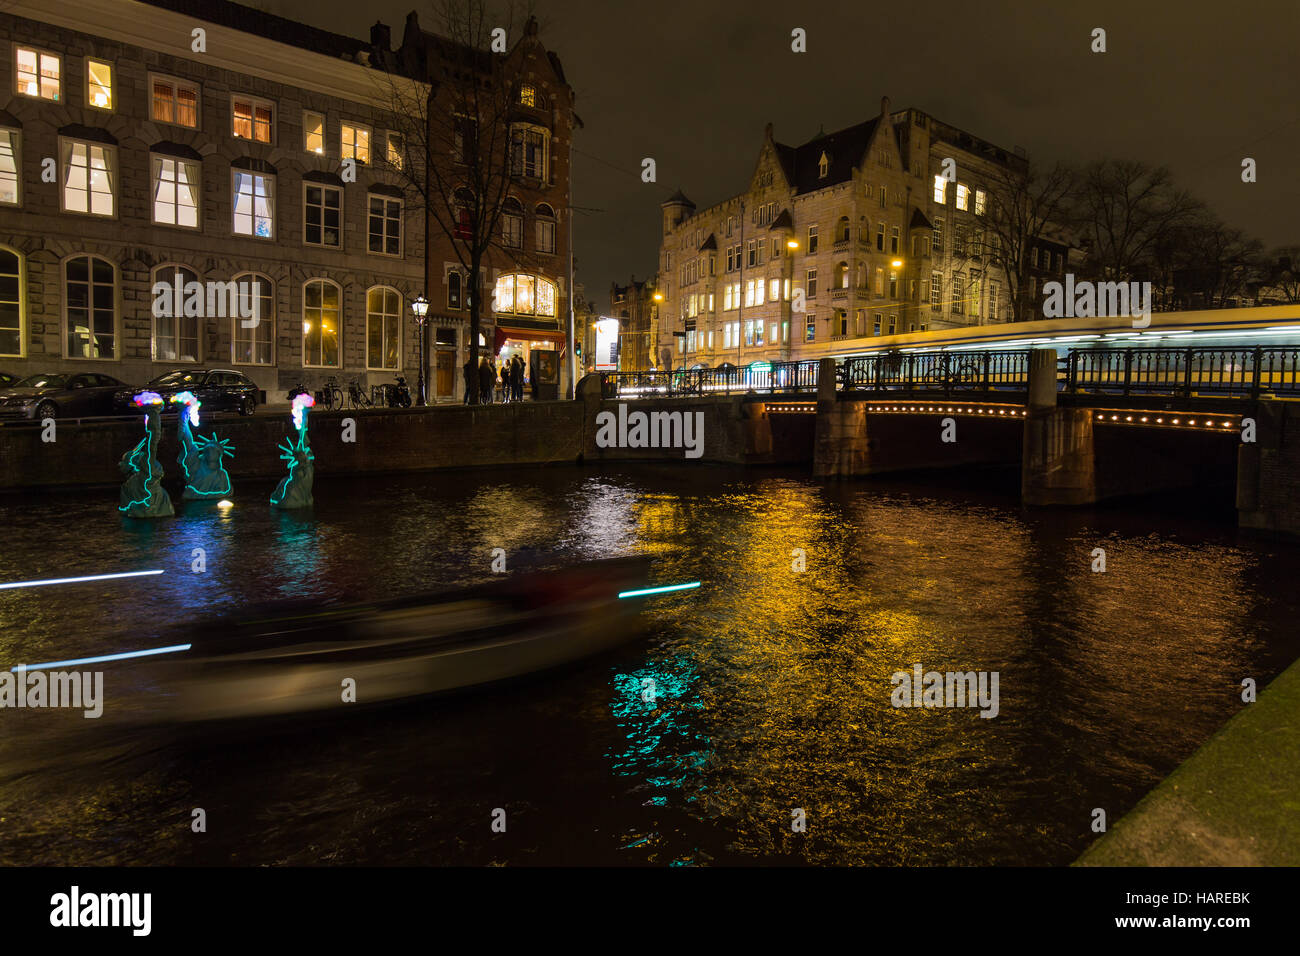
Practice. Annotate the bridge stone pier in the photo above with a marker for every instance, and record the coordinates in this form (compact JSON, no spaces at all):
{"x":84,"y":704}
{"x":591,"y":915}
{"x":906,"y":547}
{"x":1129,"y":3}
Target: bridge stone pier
{"x":1268,"y":471}
{"x":1058,"y":464}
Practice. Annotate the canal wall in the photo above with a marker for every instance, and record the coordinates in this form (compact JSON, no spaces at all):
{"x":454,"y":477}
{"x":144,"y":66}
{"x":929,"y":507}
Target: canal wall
{"x":379,"y":441}
{"x":1232,"y":803}
{"x":382,"y":441}
{"x":1268,"y":471}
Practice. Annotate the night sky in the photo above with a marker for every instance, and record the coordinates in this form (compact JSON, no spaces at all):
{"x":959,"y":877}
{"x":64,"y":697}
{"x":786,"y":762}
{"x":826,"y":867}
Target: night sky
{"x":1196,"y":86}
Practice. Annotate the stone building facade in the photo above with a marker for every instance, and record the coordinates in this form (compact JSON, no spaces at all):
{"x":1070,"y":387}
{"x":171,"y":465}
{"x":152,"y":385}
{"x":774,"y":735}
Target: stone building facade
{"x":634,"y":307}
{"x":860,"y":227}
{"x":140,"y":141}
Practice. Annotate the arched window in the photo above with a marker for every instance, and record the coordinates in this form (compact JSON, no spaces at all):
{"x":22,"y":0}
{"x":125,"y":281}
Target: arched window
{"x":545,"y":228}
{"x":12,"y":309}
{"x":842,"y":275}
{"x":90,"y":307}
{"x":843,"y":231}
{"x":179,"y":302}
{"x":383,"y":328}
{"x":254,"y":344}
{"x":521,"y":294}
{"x":512,"y":223}
{"x":862,"y":275}
{"x":322,"y":323}
{"x":464,"y":213}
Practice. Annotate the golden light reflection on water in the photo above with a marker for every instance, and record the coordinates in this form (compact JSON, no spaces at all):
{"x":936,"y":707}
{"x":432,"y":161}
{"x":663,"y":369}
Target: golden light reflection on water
{"x":771,"y":685}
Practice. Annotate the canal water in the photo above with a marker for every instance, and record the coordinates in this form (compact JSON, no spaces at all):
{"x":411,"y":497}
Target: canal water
{"x":772,"y":685}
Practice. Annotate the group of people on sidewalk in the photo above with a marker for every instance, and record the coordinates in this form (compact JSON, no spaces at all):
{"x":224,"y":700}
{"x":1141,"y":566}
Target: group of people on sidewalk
{"x":509,"y":380}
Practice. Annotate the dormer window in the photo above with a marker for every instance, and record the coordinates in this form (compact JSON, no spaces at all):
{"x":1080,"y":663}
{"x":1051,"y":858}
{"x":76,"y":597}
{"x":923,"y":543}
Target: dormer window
{"x":823,"y":166}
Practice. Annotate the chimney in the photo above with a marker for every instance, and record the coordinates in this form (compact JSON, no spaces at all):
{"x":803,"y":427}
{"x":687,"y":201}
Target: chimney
{"x":381,"y":37}
{"x":884,"y":107}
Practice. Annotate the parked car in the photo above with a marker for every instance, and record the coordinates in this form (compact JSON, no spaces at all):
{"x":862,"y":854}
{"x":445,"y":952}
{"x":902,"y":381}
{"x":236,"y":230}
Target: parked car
{"x":7,"y":379}
{"x":51,"y":395}
{"x":219,"y":389}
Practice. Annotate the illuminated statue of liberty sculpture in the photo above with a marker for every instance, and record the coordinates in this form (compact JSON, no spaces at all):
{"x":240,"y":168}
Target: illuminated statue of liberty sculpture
{"x":294,"y":490}
{"x":200,"y":458}
{"x":142,"y":494}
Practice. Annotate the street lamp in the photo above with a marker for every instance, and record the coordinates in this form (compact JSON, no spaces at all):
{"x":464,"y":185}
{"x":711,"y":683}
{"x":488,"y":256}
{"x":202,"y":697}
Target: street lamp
{"x":421,"y":307}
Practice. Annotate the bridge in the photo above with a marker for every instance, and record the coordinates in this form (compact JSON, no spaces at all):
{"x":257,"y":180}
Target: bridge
{"x":1091,"y":424}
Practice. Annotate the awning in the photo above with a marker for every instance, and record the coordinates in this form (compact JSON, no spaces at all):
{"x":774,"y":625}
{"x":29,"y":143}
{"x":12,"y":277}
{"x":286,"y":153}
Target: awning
{"x":554,"y":336}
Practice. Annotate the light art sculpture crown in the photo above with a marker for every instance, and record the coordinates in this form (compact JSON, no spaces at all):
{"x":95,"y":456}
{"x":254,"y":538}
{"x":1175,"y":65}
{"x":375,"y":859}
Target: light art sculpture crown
{"x":294,"y":490}
{"x":201,"y":457}
{"x":142,"y":494}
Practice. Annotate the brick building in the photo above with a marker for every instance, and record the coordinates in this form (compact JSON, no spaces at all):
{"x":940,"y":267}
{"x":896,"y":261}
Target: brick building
{"x":634,"y":307}
{"x":862,"y":224}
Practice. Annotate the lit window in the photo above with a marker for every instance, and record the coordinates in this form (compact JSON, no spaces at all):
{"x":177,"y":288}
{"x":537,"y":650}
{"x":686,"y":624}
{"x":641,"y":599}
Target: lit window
{"x":88,"y":177}
{"x":521,"y":294}
{"x":981,"y":202}
{"x":10,"y":141}
{"x":99,"y":84}
{"x":940,"y":190}
{"x":528,"y":95}
{"x":394,"y":149}
{"x":356,"y":143}
{"x":11,"y":303}
{"x":385,"y":227}
{"x":321,"y":317}
{"x":175,"y":101}
{"x":963,"y":196}
{"x":175,"y":192}
{"x":252,"y":346}
{"x":383,"y":328}
{"x":38,"y":74}
{"x":90,"y":299}
{"x":313,"y":132}
{"x":175,"y":334}
{"x":322,"y":215}
{"x":251,"y":119}
{"x":254,"y":204}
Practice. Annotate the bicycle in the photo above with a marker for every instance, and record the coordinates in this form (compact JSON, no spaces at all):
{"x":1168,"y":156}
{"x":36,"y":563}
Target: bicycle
{"x":330,"y":395}
{"x":967,"y":373}
{"x":357,"y":396}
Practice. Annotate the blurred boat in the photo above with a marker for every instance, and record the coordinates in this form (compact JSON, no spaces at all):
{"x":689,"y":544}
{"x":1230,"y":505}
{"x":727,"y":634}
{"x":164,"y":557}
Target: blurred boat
{"x":281,"y":661}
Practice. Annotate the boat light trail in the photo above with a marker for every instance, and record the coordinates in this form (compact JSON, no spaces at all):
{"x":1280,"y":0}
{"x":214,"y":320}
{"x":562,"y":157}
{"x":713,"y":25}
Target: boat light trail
{"x":662,"y":590}
{"x":106,"y":657}
{"x":90,"y":577}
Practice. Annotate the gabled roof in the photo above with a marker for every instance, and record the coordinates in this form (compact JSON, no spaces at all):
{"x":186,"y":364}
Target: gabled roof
{"x":783,"y":221}
{"x":843,"y":148}
{"x":281,"y":29}
{"x":709,"y":243}
{"x":919,"y":221}
{"x":678,"y":197}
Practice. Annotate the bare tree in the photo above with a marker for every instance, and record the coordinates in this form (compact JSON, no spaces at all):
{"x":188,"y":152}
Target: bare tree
{"x":1125,"y":210}
{"x":1283,"y":272}
{"x":459,"y":150}
{"x":1217,"y":263}
{"x":1026,"y":205}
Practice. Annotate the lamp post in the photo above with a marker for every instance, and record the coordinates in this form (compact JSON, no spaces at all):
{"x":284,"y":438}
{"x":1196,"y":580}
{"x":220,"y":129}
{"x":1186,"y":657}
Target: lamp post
{"x":421,"y":307}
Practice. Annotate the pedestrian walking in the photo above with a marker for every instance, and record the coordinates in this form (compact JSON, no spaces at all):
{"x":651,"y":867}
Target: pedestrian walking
{"x":469,"y":372}
{"x":487,"y":376}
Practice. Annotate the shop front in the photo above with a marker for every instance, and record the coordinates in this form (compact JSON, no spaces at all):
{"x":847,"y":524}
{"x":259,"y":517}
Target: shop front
{"x":527,"y":325}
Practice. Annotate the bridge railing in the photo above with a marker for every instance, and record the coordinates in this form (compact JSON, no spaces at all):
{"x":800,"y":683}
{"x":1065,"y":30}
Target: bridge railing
{"x":1243,"y":371}
{"x":936,"y":371}
{"x":775,"y":378}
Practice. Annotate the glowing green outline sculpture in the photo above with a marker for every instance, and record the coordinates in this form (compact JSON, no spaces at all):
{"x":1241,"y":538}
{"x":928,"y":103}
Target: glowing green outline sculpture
{"x":142,"y":494}
{"x":200,"y":457}
{"x":294,"y":490}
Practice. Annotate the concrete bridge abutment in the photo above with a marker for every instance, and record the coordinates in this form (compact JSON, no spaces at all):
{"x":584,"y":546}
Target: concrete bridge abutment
{"x":1059,"y":463}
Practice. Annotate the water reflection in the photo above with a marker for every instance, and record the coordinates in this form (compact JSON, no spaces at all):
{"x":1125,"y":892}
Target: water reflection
{"x":771,"y":682}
